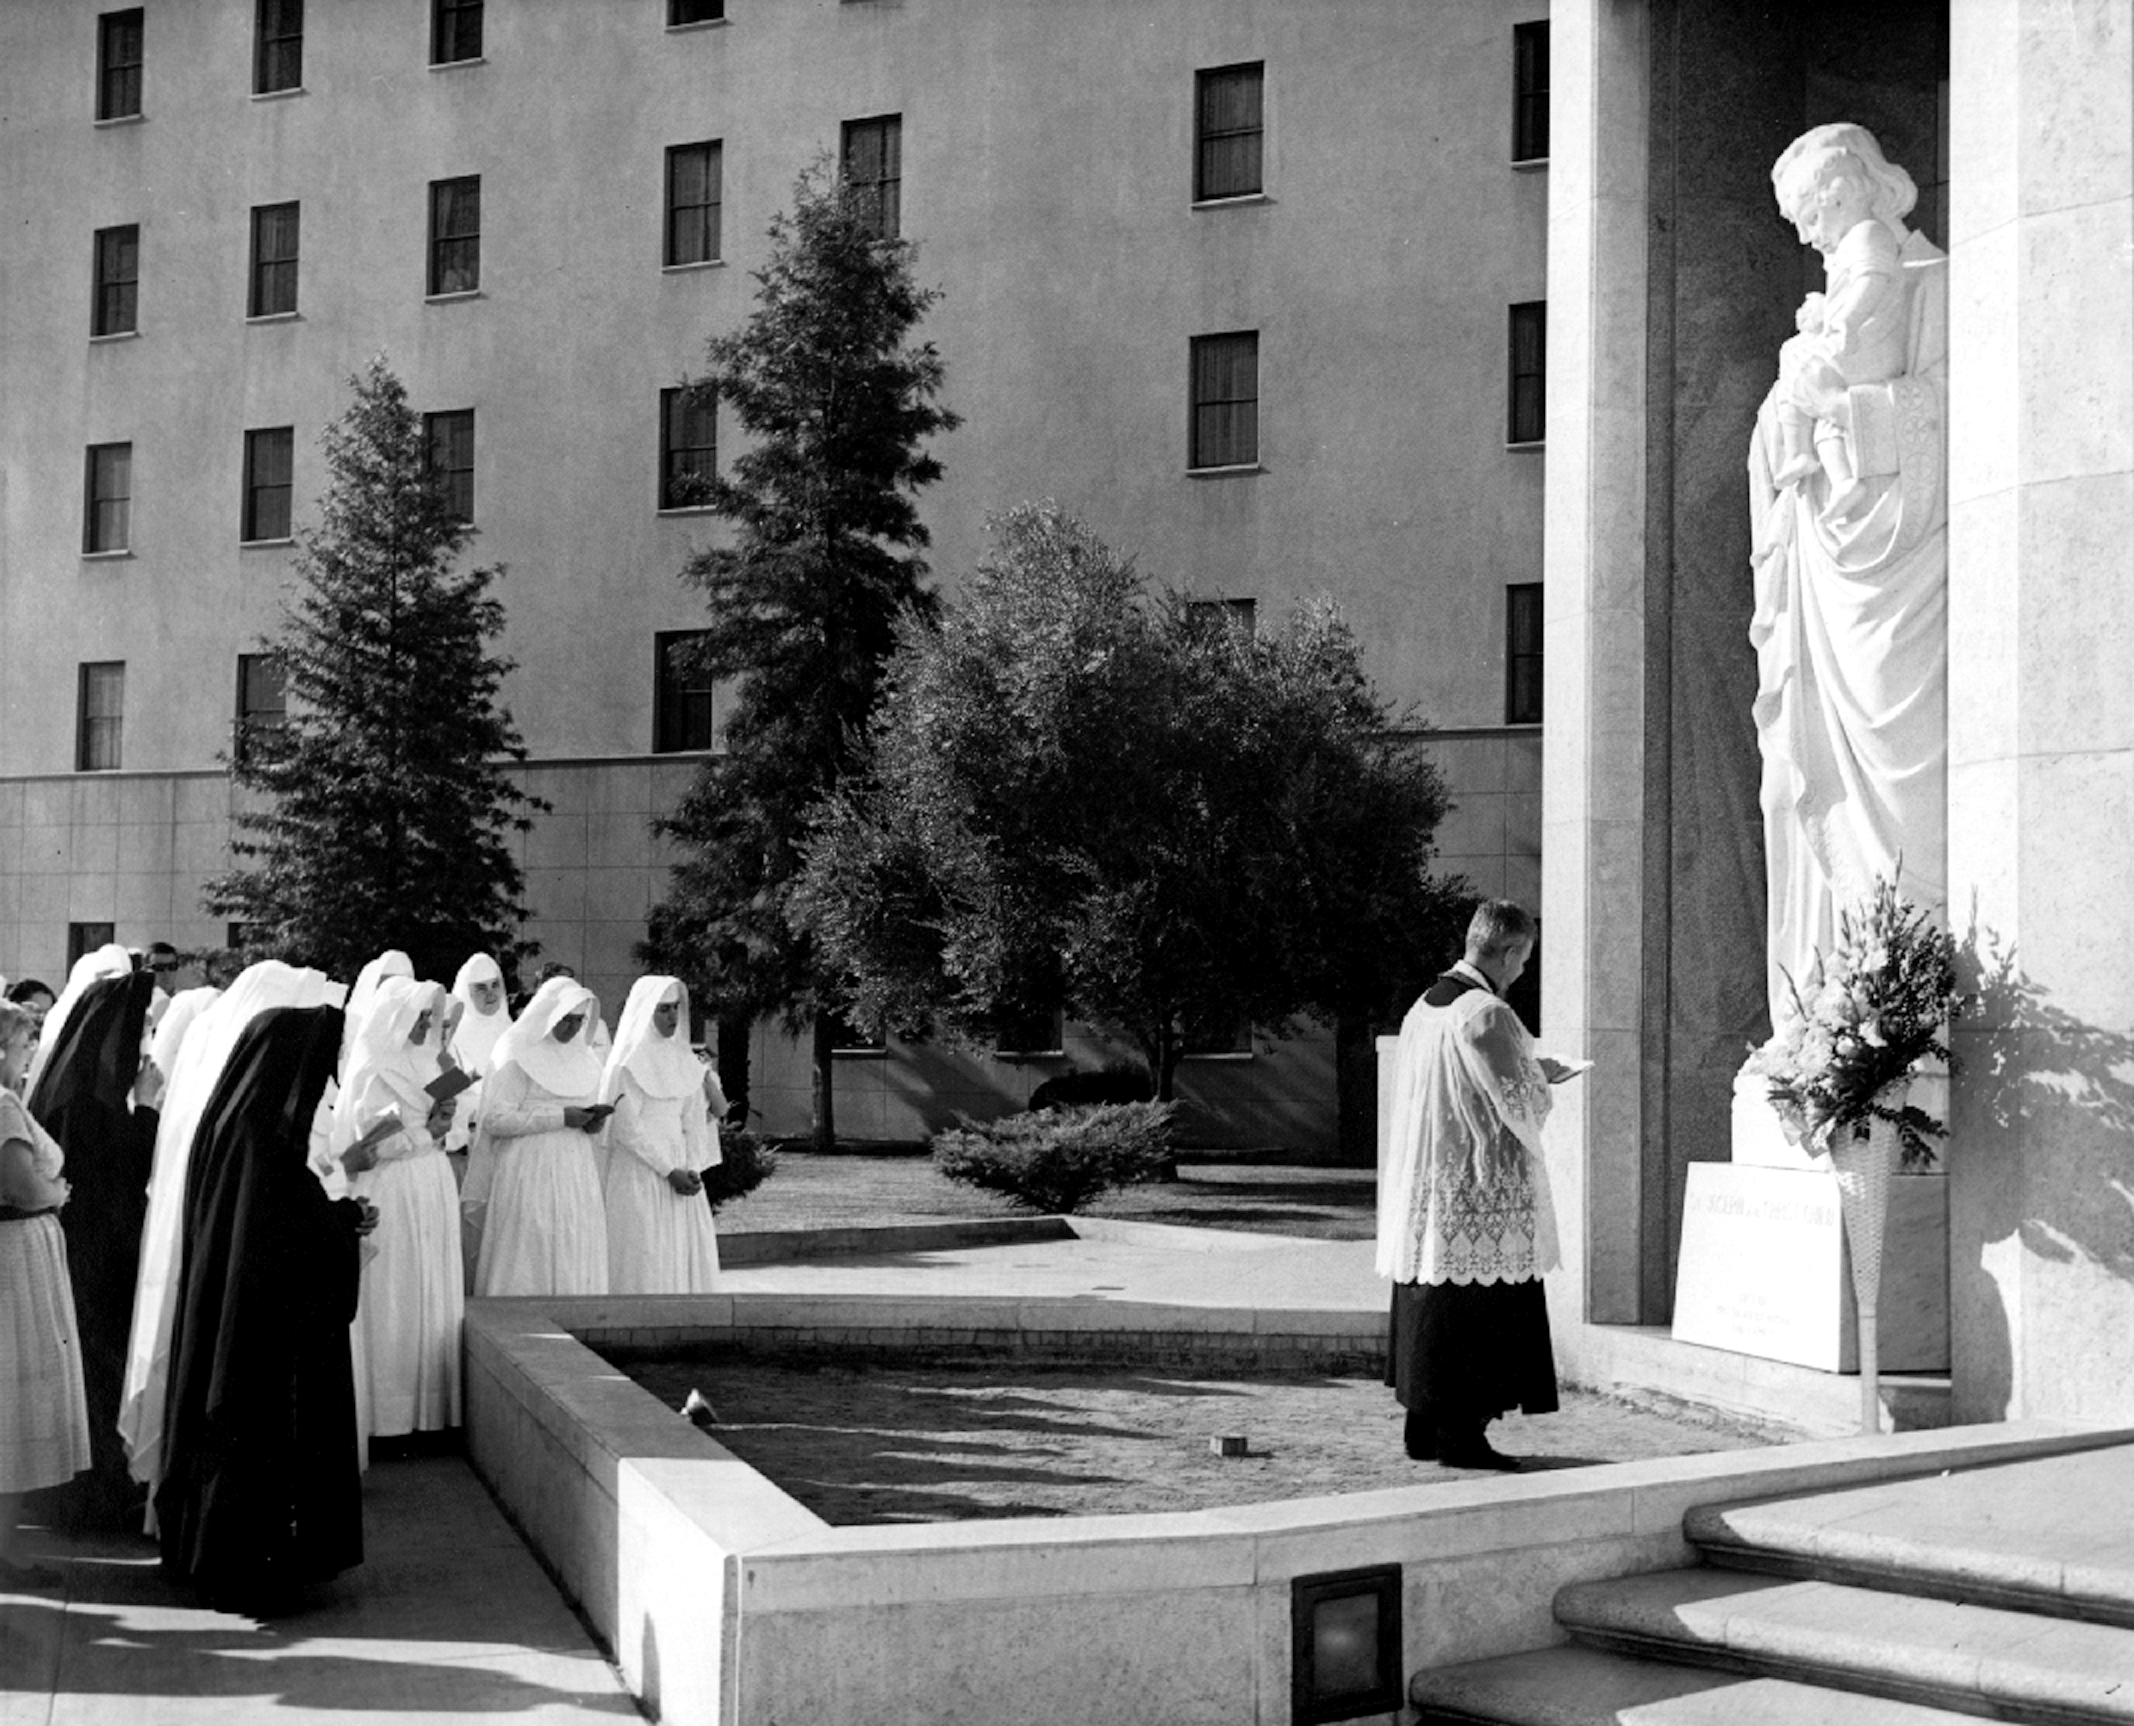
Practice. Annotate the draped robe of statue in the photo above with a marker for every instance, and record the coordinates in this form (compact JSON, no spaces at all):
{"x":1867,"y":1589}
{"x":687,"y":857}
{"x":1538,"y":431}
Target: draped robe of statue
{"x":1850,"y":632}
{"x":260,"y":1493}
{"x":83,"y":1098}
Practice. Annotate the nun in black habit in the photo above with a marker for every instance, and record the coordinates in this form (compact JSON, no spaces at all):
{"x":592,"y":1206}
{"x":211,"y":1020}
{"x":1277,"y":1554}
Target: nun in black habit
{"x":95,"y":1099}
{"x":261,"y":1493}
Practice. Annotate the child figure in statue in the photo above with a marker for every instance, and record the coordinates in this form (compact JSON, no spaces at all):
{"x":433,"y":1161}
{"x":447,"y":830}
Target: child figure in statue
{"x":1854,"y":332}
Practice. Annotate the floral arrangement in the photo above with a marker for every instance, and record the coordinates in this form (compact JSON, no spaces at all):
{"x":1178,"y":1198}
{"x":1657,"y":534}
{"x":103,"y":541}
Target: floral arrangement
{"x":1868,"y":1013}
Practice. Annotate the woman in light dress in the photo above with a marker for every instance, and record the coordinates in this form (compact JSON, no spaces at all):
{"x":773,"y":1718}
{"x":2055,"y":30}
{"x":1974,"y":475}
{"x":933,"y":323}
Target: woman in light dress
{"x":660,"y":1138}
{"x":531,"y":1178}
{"x":413,"y":1297}
{"x":44,"y":1418}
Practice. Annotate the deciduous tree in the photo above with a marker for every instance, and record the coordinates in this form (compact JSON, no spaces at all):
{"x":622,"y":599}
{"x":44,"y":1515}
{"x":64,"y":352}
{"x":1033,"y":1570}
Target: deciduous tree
{"x":1158,"y":818}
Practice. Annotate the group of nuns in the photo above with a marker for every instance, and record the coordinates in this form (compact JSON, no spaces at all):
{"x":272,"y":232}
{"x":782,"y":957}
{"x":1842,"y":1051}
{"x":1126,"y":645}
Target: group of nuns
{"x":256,"y":1259}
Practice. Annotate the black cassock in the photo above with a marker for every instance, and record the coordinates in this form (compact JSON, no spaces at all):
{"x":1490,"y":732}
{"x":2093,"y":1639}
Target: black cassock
{"x":81,"y":1100}
{"x":261,"y":1493}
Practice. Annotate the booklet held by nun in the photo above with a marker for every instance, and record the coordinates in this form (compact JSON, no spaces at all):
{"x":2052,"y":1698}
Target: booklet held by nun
{"x":450,"y":1083}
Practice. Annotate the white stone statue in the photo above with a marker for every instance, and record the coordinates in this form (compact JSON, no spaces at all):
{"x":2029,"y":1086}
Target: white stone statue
{"x":1849,"y":517}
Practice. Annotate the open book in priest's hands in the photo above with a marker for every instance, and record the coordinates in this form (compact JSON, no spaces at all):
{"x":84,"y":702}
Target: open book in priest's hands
{"x":1557,"y":1071}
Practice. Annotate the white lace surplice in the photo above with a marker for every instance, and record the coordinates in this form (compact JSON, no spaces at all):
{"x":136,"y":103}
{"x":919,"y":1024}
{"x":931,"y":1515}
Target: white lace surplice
{"x":1465,"y":1196}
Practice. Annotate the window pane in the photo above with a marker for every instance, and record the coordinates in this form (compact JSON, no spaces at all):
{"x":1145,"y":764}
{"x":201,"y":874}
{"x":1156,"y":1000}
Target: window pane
{"x":118,"y":264}
{"x":110,"y":487}
{"x":279,"y":62}
{"x":695,"y":11}
{"x":1529,"y":357}
{"x":274,"y":257}
{"x":1522,"y":654}
{"x":451,"y":444}
{"x":118,"y":56}
{"x":873,"y":159}
{"x":1228,"y":129}
{"x":455,"y":235}
{"x":683,"y":697}
{"x":1225,"y":421}
{"x":269,"y":456}
{"x":456,"y":31}
{"x":693,"y":189}
{"x":101,"y":716}
{"x":688,"y":446}
{"x":1530,"y":111}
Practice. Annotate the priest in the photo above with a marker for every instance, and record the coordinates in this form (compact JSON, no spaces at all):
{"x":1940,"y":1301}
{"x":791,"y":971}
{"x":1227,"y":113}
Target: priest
{"x":1465,"y":1226}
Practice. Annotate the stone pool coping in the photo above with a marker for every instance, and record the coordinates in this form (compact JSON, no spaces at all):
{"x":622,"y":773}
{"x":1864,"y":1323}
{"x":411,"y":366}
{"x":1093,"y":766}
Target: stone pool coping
{"x":725,"y":1600}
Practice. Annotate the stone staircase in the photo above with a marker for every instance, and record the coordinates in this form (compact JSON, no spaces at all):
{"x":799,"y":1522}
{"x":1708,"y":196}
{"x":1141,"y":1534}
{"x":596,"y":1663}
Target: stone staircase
{"x":2004,"y":1592}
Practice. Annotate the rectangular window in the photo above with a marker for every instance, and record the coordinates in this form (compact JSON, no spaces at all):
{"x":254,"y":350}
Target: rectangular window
{"x":847,"y":1038}
{"x":118,"y":65}
{"x":456,"y":235}
{"x":118,"y":280}
{"x":1226,"y":400}
{"x":455,"y":31}
{"x":84,"y":939}
{"x":1216,"y":1035}
{"x":278,"y":47}
{"x":1529,"y":372}
{"x":1239,"y":614}
{"x":100,"y":717}
{"x":262,"y":700}
{"x":269,"y":455}
{"x":688,"y":446}
{"x":1522,"y":654}
{"x":450,"y":437}
{"x":695,"y":11}
{"x":1029,"y":1030}
{"x":874,"y":169}
{"x":694,"y":173}
{"x":1530,"y":92}
{"x":1227,"y":131}
{"x":684,"y":699}
{"x":274,"y":246}
{"x":107,"y":523}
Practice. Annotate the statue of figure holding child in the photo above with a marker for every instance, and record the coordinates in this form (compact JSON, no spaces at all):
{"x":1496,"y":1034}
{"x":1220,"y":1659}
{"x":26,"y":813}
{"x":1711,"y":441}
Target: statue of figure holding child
{"x":1848,"y":513}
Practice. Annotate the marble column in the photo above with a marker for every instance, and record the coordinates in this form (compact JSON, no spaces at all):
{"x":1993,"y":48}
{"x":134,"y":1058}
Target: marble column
{"x":1593,"y":752}
{"x":2041,"y":709}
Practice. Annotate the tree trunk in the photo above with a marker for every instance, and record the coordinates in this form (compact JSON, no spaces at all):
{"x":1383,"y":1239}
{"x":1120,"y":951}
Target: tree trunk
{"x":1166,"y":1084}
{"x":732,"y":1041}
{"x":825,"y":1116}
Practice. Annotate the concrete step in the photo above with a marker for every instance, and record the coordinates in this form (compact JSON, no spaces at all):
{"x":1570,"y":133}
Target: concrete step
{"x":1587,"y":1687}
{"x":2054,"y":1536}
{"x":1938,"y":1653}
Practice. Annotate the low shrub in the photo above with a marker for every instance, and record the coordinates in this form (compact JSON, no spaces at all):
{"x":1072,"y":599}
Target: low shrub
{"x":745,"y":1162}
{"x":1057,"y":1160}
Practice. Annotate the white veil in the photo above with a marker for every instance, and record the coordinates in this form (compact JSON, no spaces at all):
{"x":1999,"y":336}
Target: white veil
{"x":562,"y":1069}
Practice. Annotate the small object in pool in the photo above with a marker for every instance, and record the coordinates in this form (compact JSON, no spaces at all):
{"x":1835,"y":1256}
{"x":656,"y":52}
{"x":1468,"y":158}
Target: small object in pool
{"x":699,"y":1411}
{"x":1228,"y":1444}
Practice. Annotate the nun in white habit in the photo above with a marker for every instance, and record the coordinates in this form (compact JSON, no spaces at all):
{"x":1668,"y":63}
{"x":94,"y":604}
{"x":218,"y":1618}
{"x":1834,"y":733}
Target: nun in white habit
{"x":197,"y":1066}
{"x":483,"y":1020}
{"x":532,"y":1182}
{"x":391,"y":963}
{"x":660,"y":1137}
{"x":413,"y":1293}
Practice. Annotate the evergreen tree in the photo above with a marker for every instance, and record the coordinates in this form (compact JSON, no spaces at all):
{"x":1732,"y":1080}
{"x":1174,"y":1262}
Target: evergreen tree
{"x":836,"y":402}
{"x":389,"y":811}
{"x":1086,"y":796}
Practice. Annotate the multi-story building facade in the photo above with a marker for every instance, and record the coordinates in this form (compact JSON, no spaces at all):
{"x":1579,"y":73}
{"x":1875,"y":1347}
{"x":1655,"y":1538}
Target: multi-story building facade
{"x":1255,"y":289}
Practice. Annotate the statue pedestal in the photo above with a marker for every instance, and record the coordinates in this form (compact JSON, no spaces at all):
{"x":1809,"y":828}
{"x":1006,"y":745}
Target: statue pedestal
{"x":1764,"y":1271}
